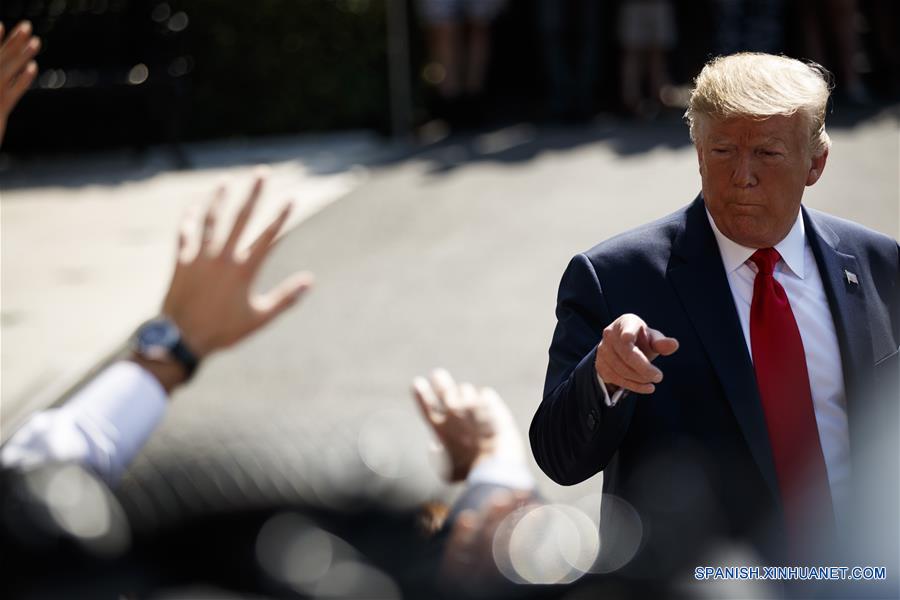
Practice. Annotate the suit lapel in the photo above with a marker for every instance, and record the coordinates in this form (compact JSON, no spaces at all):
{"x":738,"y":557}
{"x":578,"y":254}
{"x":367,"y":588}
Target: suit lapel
{"x":699,"y":279}
{"x":848,"y":310}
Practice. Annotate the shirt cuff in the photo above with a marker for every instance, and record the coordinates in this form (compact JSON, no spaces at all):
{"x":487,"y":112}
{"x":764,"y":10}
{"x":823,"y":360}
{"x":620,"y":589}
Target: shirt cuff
{"x":120,"y":409}
{"x":608,"y":400}
{"x":102,"y":427}
{"x":497,"y":470}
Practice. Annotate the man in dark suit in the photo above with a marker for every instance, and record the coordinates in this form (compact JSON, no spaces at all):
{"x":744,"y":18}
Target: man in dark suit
{"x":768,"y":324}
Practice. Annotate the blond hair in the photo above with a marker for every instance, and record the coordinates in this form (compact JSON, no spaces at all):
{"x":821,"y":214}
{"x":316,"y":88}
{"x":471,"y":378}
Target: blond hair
{"x":758,"y":86}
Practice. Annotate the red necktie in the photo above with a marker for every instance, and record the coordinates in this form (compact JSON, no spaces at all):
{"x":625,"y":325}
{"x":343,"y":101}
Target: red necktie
{"x":781,"y":375}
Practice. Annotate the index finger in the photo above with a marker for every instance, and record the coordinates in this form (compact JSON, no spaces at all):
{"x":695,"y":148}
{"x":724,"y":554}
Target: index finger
{"x":659,"y":343}
{"x":446,"y":388}
{"x":629,"y":353}
{"x":430,"y":405}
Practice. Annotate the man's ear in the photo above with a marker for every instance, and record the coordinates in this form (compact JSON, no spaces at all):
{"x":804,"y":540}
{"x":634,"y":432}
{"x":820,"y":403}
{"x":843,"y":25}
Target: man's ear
{"x":699,"y":156}
{"x":817,"y":165}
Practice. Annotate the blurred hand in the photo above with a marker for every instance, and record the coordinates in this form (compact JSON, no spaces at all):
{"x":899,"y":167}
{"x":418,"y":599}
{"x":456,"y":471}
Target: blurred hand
{"x":210,"y":297}
{"x":468,"y":559}
{"x":626,"y":351}
{"x":471,"y":423}
{"x":17,"y":69}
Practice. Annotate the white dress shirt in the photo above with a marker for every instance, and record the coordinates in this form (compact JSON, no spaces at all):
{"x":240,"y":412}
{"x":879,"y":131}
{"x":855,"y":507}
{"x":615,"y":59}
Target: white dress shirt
{"x":798,"y":274}
{"x":102,"y":427}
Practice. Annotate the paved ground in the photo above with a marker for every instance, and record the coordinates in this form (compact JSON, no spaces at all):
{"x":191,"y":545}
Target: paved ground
{"x":448,"y":257}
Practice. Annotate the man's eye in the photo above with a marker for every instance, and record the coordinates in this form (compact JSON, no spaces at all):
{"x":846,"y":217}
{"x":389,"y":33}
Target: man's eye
{"x":720,"y":150}
{"x":770,"y":153}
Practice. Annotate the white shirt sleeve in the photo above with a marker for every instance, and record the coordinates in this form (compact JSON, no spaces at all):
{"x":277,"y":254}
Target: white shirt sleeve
{"x":502,"y":470}
{"x":607,"y":399}
{"x":102,"y":427}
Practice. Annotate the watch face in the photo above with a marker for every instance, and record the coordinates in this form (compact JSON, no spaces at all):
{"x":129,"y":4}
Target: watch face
{"x":156,"y":338}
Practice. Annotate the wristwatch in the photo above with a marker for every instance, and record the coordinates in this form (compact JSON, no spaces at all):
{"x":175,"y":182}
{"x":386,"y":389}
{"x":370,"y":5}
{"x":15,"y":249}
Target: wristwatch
{"x":160,"y":339}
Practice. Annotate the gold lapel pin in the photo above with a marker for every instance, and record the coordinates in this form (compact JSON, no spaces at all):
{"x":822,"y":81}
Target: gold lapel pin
{"x":851,"y":277}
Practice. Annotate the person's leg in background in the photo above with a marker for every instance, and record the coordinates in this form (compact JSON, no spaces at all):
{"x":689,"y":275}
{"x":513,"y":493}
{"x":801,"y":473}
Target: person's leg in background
{"x":727,"y":16}
{"x":764,"y":29}
{"x":748,"y":26}
{"x":838,"y":24}
{"x":884,"y":18}
{"x":550,"y":16}
{"x":587,"y":65}
{"x":631,"y":36}
{"x":444,"y":42}
{"x":647,"y":31}
{"x":479,"y":53}
{"x":480,"y":15}
{"x":443,"y":31}
{"x":843,"y":17}
{"x":662,"y":24}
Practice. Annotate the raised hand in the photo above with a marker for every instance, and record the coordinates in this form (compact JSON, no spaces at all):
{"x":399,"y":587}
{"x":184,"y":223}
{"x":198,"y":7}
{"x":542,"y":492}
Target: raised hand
{"x":210,"y":298}
{"x":17,"y":69}
{"x":468,"y":560}
{"x":471,"y":423}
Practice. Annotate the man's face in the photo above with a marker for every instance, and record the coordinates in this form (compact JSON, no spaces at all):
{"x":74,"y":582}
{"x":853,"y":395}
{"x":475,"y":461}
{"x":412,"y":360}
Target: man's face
{"x":754,"y":173}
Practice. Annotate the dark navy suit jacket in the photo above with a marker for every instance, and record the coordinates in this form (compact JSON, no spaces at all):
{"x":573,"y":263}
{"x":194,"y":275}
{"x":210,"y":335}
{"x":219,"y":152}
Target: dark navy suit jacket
{"x":694,"y":457}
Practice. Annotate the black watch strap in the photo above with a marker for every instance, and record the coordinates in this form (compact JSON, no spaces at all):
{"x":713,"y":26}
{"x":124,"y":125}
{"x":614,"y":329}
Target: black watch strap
{"x":185,"y":357}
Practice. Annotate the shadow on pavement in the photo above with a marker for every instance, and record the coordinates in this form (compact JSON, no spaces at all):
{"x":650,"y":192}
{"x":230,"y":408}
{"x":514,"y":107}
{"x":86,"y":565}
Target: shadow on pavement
{"x":339,"y":152}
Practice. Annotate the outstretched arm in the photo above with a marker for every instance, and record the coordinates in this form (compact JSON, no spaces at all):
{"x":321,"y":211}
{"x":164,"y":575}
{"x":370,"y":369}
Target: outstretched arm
{"x":211,"y":301}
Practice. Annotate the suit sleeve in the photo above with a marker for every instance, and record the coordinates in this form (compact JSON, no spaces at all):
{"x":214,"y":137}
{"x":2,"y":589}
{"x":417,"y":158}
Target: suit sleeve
{"x":574,"y":434}
{"x":895,"y":316}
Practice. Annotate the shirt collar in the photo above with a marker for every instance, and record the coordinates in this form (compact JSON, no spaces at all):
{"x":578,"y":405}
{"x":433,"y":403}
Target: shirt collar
{"x":791,"y":248}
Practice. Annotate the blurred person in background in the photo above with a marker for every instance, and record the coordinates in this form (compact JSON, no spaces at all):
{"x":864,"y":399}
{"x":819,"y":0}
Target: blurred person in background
{"x":768,"y":323}
{"x":748,"y":26}
{"x":17,"y":67}
{"x":459,"y":44}
{"x":570,"y":80}
{"x":647,"y":32}
{"x":833,"y":25}
{"x":884,"y":18}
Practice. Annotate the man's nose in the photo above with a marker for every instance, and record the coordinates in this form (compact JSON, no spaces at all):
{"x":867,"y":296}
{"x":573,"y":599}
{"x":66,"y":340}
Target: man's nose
{"x":744,"y":174}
